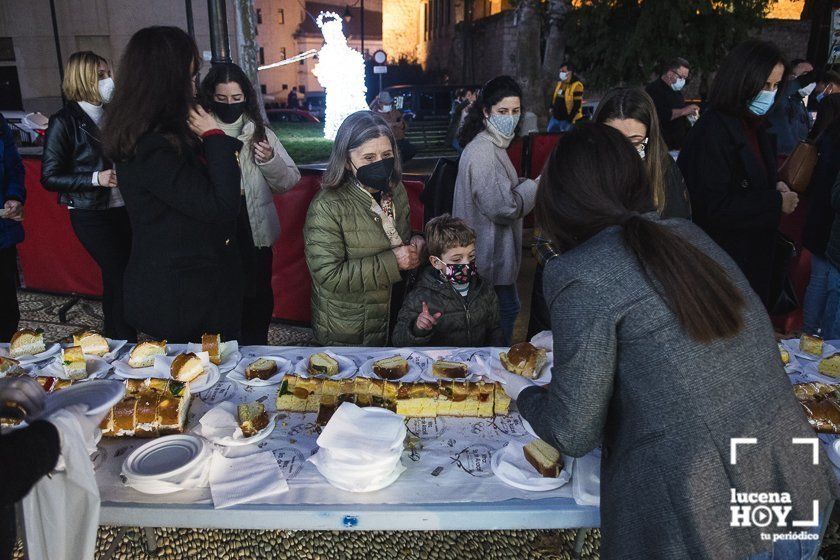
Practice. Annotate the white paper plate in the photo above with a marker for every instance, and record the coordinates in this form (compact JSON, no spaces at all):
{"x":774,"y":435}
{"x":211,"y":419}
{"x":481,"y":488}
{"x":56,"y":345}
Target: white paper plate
{"x":97,"y":394}
{"x":97,"y":368}
{"x":519,"y":473}
{"x":231,"y":355}
{"x":284,"y":367}
{"x":545,"y":373}
{"x":379,"y":485}
{"x":256,"y":438}
{"x":164,"y":458}
{"x":203,"y":382}
{"x":346,"y":367}
{"x":51,"y":351}
{"x":125,"y":371}
{"x":418,"y":363}
{"x":792,"y":346}
{"x":475,"y":371}
{"x":114,"y":347}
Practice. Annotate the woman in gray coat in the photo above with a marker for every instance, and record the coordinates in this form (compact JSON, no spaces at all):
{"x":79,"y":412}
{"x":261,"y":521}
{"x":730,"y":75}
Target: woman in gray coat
{"x":663,"y":352}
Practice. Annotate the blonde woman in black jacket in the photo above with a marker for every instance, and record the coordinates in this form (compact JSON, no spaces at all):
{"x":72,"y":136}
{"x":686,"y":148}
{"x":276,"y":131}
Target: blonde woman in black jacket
{"x":74,"y":167}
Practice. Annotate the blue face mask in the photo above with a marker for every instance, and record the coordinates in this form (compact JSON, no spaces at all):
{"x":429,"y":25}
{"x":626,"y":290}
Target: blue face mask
{"x":762,"y":102}
{"x":504,"y":124}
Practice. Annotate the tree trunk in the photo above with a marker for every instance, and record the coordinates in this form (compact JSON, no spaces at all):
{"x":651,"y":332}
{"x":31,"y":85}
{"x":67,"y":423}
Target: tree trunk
{"x":246,"y":36}
{"x":555,"y":47}
{"x":529,"y":69}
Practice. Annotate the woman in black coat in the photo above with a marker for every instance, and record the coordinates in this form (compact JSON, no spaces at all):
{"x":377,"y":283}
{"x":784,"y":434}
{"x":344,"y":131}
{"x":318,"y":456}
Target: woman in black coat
{"x":74,"y":167}
{"x":729,"y":163}
{"x":181,"y":182}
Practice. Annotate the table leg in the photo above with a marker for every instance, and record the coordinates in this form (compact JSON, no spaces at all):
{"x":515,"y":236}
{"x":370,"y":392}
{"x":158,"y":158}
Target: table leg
{"x":62,"y":311}
{"x":580,"y":538}
{"x":149,"y":539}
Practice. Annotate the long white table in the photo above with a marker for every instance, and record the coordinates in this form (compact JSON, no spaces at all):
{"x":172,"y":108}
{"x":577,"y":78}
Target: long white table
{"x":333,"y":509}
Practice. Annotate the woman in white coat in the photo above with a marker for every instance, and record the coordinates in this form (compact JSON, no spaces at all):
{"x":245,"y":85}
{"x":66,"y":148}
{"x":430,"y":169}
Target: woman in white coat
{"x":267,"y":169}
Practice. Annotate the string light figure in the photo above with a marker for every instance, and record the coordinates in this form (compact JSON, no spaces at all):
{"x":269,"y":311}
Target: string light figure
{"x":341,"y":72}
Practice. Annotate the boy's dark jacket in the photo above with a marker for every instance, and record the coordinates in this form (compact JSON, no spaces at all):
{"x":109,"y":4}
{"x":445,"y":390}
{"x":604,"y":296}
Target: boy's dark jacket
{"x":466,"y":321}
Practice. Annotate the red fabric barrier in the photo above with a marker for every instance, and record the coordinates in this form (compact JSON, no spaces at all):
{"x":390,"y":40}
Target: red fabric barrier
{"x":53,"y":260}
{"x":51,"y":257}
{"x":291,"y":281}
{"x":541,"y":147}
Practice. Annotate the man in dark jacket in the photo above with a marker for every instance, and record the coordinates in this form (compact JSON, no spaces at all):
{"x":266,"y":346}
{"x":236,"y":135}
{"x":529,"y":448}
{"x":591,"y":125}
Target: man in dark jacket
{"x":673,"y":113}
{"x":450,"y":305}
{"x":789,"y":118}
{"x":12,"y":197}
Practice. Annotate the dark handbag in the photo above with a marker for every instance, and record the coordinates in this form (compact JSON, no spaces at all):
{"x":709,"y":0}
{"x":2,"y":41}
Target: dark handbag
{"x":439,"y":189}
{"x":798,"y":168}
{"x":783,"y":298}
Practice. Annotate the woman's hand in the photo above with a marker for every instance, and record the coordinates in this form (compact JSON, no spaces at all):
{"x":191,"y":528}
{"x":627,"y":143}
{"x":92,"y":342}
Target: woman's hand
{"x":419,"y":243}
{"x":12,"y":210}
{"x":782,"y":187}
{"x":21,"y":396}
{"x":201,"y":121}
{"x":263,"y":152}
{"x":107,"y":178}
{"x":789,"y":202}
{"x":407,"y":258}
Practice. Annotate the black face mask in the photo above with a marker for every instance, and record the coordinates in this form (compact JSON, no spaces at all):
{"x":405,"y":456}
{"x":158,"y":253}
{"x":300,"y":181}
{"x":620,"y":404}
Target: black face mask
{"x":377,"y":175}
{"x":228,"y":112}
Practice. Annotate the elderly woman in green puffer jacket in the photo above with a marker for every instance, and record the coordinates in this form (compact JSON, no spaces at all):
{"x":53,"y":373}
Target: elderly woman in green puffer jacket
{"x":357,"y":237}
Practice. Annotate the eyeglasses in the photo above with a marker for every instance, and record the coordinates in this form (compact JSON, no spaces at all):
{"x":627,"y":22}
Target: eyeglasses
{"x":677,"y":74}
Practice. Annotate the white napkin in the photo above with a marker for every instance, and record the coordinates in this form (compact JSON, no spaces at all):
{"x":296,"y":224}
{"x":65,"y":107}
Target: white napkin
{"x":61,"y":513}
{"x":370,"y":430}
{"x":221,"y":422}
{"x":514,"y":467}
{"x":225,"y":349}
{"x":544,"y":339}
{"x":253,"y":479}
{"x":586,"y":480}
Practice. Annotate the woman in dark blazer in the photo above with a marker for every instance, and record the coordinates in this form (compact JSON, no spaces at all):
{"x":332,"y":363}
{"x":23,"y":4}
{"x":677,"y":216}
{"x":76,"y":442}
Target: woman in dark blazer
{"x":180,"y":178}
{"x":663,"y":353}
{"x":74,"y":167}
{"x":729,"y":163}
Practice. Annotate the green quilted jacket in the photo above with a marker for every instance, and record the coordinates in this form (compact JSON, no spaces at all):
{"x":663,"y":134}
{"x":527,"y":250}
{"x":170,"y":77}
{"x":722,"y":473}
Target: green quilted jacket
{"x":352,"y":266}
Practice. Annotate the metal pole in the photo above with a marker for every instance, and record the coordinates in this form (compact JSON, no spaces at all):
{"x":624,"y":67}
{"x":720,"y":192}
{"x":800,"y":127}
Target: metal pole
{"x":190,"y":23}
{"x":219,"y":39}
{"x":363,"y":27}
{"x":57,"y":46}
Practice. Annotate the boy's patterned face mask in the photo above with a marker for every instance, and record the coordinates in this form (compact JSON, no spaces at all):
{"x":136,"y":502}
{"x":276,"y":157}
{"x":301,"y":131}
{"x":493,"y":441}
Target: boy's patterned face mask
{"x":460,"y":273}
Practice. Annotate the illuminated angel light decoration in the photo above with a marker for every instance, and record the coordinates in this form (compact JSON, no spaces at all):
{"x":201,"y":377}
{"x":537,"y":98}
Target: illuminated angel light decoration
{"x":341,"y":72}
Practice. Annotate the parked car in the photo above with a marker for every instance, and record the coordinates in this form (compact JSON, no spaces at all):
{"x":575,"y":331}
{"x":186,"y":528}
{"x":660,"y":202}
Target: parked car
{"x":316,"y":103}
{"x":28,"y":129}
{"x":290,"y":116}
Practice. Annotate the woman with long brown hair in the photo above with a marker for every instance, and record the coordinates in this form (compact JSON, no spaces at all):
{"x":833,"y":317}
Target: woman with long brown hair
{"x":663,"y":352}
{"x":179,"y":175}
{"x":631,"y":111}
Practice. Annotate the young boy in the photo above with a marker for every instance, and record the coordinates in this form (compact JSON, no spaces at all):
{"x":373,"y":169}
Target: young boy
{"x":449,"y":305}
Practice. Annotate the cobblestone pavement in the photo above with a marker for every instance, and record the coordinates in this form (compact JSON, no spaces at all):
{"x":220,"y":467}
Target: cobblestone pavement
{"x":129,"y":543}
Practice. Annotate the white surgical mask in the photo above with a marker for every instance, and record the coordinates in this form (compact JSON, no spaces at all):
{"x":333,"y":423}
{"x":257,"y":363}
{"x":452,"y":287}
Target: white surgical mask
{"x":564,"y":76}
{"x":505,"y":125}
{"x":106,"y":89}
{"x":807,"y":90}
{"x":386,"y":108}
{"x":678,"y":85}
